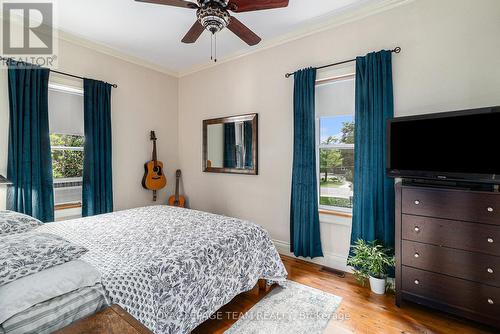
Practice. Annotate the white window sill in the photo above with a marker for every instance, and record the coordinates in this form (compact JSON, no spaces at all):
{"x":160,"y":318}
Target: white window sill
{"x":68,"y":179}
{"x":335,"y":218}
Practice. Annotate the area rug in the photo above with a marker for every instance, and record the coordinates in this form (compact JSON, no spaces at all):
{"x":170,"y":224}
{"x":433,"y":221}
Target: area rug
{"x":296,"y":309}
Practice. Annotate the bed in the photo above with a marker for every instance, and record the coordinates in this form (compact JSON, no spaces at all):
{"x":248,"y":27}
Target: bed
{"x":172,"y":268}
{"x":58,"y":312}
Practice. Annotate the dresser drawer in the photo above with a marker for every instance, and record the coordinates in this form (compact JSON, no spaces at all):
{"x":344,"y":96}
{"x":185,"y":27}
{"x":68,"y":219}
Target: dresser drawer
{"x":476,"y":267}
{"x":454,"y":292}
{"x":451,"y":233}
{"x":481,"y":207}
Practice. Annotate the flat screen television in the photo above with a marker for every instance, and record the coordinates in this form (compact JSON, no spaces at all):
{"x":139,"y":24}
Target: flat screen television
{"x":458,"y":146}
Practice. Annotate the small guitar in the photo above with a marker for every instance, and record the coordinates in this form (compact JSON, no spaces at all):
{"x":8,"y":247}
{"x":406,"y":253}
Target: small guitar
{"x":154,"y":178}
{"x":177,"y":200}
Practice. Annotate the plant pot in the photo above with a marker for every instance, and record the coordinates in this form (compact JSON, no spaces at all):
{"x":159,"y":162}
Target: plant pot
{"x":377,"y":285}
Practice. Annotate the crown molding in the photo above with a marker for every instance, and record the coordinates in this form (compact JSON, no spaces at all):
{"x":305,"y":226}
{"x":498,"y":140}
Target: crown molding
{"x":86,"y":43}
{"x":347,"y":15}
{"x":80,"y":41}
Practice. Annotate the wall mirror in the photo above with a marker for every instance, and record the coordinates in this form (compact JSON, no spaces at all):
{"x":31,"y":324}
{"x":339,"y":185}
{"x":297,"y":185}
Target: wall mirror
{"x":230,"y":145}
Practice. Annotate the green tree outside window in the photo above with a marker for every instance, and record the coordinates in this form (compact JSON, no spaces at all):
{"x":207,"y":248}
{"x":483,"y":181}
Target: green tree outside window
{"x":337,"y":165}
{"x":67,"y":162}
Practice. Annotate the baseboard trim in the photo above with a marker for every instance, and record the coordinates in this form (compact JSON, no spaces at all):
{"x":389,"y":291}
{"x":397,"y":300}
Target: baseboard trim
{"x":331,"y":260}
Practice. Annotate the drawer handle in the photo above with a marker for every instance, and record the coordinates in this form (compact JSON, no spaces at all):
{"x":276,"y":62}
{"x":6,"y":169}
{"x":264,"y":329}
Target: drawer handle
{"x":417,"y":202}
{"x":490,"y":301}
{"x":489,"y":270}
{"x":490,"y":209}
{"x":416,"y":255}
{"x":417,"y":229}
{"x":490,"y":240}
{"x":417,"y":282}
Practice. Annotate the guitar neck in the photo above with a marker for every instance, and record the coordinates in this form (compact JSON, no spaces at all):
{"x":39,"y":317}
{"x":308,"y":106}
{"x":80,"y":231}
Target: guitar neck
{"x":177,"y":189}
{"x":155,"y":158}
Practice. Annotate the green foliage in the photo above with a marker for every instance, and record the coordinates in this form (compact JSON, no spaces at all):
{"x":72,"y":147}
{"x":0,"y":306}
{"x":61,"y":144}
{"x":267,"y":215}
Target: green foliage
{"x":67,"y":163}
{"x":330,"y":158}
{"x":66,"y":140}
{"x":335,"y":201}
{"x":330,"y":140}
{"x":348,"y":156}
{"x":390,"y":286}
{"x":370,"y":259}
{"x":347,"y":133}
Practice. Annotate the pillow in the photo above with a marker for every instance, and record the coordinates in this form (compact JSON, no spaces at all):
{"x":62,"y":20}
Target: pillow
{"x":21,"y":294}
{"x":28,"y":253}
{"x":14,"y":222}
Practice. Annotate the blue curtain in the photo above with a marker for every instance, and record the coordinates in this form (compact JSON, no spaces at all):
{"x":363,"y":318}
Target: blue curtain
{"x":29,"y":164}
{"x":97,"y":165}
{"x":304,"y":216}
{"x":248,"y":133}
{"x":373,"y":212}
{"x":229,"y":145}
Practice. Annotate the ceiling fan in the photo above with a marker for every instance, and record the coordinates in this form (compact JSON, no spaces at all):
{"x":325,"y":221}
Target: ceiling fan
{"x":213,"y":15}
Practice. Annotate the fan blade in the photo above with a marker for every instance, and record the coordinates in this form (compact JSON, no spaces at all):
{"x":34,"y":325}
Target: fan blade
{"x":176,"y":3}
{"x":243,"y":32}
{"x":239,"y":6}
{"x":193,"y":33}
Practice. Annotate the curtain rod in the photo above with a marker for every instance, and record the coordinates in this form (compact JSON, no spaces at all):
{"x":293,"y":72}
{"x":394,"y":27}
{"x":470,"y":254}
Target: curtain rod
{"x":62,"y":73}
{"x":77,"y":77}
{"x":288,"y":75}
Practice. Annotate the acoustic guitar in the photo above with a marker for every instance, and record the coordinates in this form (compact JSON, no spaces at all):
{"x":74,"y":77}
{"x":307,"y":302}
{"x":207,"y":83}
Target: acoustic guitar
{"x":177,"y":200}
{"x":154,"y":179}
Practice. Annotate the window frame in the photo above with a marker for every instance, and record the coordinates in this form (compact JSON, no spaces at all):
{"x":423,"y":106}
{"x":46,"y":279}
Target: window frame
{"x":78,"y":179}
{"x":67,"y":206}
{"x":326,"y":209}
{"x":67,"y":148}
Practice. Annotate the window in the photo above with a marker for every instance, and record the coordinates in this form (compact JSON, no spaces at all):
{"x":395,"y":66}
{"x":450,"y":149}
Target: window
{"x":67,"y":156}
{"x":66,"y":140}
{"x":335,"y":143}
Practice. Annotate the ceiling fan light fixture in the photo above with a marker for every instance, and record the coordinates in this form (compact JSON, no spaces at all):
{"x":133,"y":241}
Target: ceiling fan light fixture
{"x":213,"y":17}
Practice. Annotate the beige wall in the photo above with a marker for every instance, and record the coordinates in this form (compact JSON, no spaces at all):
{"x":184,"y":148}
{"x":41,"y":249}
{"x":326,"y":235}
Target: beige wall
{"x":144,"y":100}
{"x":450,"y":60}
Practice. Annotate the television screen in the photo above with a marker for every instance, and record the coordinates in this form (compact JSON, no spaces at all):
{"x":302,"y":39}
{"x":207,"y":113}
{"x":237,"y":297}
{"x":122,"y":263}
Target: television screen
{"x":463,"y":145}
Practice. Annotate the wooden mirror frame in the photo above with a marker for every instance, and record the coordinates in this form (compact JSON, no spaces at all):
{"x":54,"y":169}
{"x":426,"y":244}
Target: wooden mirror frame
{"x":255,"y":142}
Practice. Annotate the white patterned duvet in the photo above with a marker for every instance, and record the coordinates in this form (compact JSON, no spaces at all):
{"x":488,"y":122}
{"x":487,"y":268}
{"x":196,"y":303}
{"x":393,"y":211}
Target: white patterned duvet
{"x":172,"y":268}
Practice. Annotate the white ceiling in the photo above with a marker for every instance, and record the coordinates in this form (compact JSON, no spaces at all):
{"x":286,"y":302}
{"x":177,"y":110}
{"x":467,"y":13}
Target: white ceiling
{"x":153,"y":32}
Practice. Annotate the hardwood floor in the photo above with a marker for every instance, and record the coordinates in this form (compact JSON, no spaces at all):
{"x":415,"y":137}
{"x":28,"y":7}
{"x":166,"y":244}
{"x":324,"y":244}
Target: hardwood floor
{"x":363,"y":311}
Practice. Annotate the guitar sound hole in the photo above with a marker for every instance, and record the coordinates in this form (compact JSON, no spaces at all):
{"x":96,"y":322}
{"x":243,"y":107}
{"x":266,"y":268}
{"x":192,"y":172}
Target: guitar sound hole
{"x":157,"y":170}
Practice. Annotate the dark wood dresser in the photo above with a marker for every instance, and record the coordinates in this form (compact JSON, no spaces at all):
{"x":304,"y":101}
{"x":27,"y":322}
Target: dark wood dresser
{"x":448,"y":250}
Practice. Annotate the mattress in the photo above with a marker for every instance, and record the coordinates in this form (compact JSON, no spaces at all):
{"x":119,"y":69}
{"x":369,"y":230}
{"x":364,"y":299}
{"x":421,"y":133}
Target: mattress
{"x":57,"y":312}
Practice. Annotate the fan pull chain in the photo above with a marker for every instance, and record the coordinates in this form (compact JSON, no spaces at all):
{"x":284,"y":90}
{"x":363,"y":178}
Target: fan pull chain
{"x":212,"y":47}
{"x":215,"y":48}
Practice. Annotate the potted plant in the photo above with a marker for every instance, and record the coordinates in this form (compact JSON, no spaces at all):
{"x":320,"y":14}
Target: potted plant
{"x":370,"y":260}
